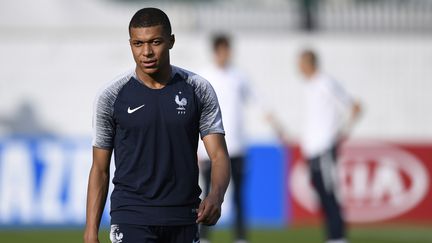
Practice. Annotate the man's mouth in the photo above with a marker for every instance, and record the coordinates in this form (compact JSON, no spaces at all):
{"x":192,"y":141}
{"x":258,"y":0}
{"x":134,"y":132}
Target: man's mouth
{"x":149,"y":63}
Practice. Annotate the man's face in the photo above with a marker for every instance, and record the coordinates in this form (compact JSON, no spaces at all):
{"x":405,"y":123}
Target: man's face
{"x":150,"y":48}
{"x":222,"y":55}
{"x":304,"y":66}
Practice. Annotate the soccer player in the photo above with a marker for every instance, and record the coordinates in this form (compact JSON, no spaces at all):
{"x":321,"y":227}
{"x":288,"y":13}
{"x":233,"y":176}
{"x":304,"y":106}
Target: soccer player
{"x":151,"y":118}
{"x":325,"y":127}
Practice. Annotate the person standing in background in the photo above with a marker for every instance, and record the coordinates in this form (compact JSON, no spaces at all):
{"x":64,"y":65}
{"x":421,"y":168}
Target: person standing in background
{"x":330,"y":113}
{"x":234,"y":92}
{"x":231,"y":87}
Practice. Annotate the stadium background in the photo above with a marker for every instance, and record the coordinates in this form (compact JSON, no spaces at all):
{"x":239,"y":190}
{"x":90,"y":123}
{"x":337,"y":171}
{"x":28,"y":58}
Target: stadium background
{"x":57,"y":54}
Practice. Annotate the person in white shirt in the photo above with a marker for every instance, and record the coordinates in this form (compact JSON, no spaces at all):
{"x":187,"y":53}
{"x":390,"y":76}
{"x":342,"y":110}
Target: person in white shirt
{"x":232,"y":89}
{"x":330,"y":113}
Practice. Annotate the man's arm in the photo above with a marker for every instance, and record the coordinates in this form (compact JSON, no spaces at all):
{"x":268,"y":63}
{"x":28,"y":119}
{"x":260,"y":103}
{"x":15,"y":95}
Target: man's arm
{"x":355,"y":111}
{"x":348,"y":103}
{"x":278,"y":128}
{"x":97,"y":193}
{"x":209,"y":211}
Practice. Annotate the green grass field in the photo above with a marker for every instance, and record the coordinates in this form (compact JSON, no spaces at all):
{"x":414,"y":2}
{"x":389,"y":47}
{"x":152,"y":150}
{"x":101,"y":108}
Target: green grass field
{"x":387,"y":234}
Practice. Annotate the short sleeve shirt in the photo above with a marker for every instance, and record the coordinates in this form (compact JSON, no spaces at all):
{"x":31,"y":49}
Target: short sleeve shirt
{"x":233,"y":91}
{"x":326,"y":104}
{"x":154,"y":134}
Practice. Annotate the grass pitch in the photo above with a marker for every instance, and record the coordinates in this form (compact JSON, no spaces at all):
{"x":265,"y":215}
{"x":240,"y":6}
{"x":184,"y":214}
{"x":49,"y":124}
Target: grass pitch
{"x":386,"y":234}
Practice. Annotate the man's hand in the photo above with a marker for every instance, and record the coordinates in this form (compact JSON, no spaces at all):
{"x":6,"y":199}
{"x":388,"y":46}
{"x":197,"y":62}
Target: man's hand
{"x":355,"y":112}
{"x":209,"y":210}
{"x":90,"y":238}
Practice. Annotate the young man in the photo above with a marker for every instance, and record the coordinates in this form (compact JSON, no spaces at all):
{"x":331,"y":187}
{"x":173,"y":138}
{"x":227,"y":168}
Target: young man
{"x":233,"y":91}
{"x":151,"y":118}
{"x":325,"y":127}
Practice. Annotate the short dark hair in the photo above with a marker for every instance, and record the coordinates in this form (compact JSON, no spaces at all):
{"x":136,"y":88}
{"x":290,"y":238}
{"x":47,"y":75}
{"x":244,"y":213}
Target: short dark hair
{"x":147,"y":17}
{"x":221,"y":40}
{"x":311,"y":57}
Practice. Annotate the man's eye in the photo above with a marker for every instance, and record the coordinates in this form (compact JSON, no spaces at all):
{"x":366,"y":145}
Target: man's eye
{"x":137,"y":44}
{"x":156,"y":42}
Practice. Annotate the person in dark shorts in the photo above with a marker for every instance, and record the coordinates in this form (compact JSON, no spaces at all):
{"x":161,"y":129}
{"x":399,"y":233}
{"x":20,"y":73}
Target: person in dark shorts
{"x":151,"y":118}
{"x":233,"y":89}
{"x":327,"y":105}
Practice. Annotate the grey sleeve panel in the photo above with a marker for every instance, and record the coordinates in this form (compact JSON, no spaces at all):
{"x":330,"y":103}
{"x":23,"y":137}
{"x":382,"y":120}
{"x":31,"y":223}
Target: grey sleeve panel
{"x":103,"y":113}
{"x":211,"y":115}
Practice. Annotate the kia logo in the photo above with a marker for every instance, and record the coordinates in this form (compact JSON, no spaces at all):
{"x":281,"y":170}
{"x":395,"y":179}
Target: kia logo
{"x":377,"y":182}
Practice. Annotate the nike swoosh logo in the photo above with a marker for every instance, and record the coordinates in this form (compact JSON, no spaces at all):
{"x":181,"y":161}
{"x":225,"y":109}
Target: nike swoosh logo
{"x":130,"y":111}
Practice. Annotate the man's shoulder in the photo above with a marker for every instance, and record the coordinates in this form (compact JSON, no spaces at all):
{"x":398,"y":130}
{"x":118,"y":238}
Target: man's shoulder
{"x":111,"y":89}
{"x":190,"y":77}
{"x":118,"y":81}
{"x":331,"y":85}
{"x":237,"y":73}
{"x":324,"y":80}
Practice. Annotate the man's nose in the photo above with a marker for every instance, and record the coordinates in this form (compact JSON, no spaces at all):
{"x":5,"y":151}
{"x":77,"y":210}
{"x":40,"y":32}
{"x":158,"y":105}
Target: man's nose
{"x":147,"y":49}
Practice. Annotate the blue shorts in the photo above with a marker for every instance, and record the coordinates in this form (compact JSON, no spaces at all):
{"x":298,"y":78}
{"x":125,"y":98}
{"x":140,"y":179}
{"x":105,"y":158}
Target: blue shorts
{"x":130,"y":233}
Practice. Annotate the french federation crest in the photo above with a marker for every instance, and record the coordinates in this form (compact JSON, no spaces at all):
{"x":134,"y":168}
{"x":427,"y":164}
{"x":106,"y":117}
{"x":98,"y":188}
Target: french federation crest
{"x":181,"y":102}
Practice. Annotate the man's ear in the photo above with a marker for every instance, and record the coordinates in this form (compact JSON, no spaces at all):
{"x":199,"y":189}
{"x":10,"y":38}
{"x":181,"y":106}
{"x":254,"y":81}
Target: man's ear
{"x":172,"y":40}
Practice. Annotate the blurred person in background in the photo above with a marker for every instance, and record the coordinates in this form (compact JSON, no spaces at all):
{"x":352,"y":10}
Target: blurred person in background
{"x":234,"y":91}
{"x":330,"y":114}
{"x":231,"y":86}
{"x":151,"y":117}
{"x":26,"y":122}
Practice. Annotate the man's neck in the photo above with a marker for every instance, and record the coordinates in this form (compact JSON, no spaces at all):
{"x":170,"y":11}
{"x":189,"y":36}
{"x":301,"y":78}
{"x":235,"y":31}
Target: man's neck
{"x":311,"y":75}
{"x":221,"y":66}
{"x":157,"y":80}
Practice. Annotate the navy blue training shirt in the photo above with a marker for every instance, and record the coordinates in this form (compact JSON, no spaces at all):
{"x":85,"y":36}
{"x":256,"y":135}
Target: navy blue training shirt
{"x":154,"y":134}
